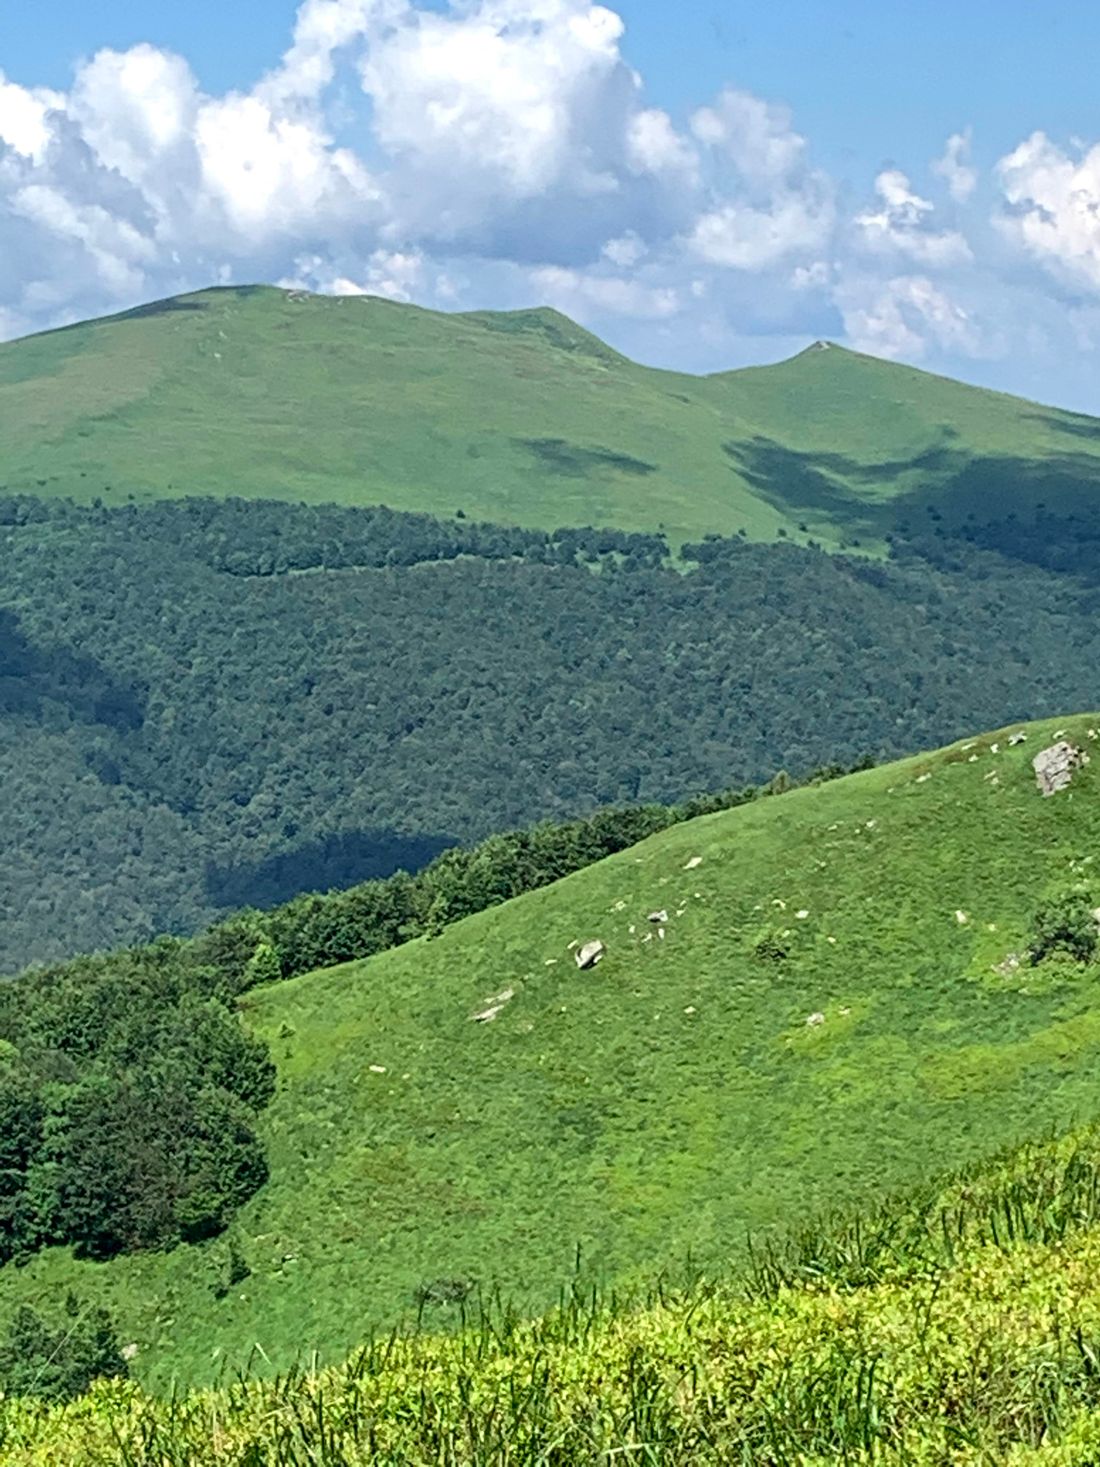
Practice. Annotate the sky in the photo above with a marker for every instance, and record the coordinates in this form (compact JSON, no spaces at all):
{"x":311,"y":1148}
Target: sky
{"x":705,"y":185}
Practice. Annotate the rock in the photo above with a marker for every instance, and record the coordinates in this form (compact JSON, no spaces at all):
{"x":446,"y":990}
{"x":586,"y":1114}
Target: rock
{"x":377,"y":1069}
{"x":661,"y":916}
{"x":1055,"y":766}
{"x":128,"y":1351}
{"x":590,"y":954}
{"x":814,"y":1019}
{"x":691,"y":865}
{"x":1016,"y":738}
{"x":961,"y":918}
{"x":493,"y":1006}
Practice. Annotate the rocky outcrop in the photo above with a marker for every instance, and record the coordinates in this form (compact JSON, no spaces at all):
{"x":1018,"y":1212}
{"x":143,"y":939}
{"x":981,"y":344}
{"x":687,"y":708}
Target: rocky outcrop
{"x":1055,"y":766}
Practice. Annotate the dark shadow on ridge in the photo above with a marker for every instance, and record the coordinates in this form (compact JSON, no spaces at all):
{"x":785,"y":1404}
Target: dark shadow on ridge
{"x":570,"y":458}
{"x":334,"y":861}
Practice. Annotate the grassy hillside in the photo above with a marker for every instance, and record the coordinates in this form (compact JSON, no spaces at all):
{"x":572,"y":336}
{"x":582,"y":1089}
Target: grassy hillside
{"x":518,"y":417}
{"x":957,"y":1325}
{"x":828,"y":1015}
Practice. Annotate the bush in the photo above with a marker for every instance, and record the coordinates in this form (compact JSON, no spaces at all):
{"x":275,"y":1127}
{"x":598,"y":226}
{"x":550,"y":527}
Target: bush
{"x":59,"y":1361}
{"x":1066,"y":924}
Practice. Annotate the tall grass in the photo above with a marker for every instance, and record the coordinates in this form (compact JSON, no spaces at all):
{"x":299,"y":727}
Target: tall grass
{"x":959,"y":1324}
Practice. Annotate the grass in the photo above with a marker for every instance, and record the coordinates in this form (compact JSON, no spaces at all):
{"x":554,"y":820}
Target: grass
{"x":517,"y":417}
{"x":960,"y":1324}
{"x":667,"y":1103}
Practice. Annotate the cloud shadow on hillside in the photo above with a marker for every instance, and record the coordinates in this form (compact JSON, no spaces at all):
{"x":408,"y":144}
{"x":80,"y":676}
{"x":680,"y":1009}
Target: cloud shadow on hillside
{"x":333,"y":861}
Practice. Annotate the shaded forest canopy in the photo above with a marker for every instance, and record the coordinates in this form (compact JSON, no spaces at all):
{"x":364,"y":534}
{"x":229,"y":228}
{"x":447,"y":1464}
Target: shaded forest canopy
{"x":213,"y":704}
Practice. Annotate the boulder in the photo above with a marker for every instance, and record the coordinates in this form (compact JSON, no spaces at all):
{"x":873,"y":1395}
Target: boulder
{"x":1055,"y":766}
{"x":661,"y":916}
{"x":590,"y":954}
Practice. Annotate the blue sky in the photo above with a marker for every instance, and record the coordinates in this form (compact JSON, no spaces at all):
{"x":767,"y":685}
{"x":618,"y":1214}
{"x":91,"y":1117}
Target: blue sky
{"x":705,"y":185}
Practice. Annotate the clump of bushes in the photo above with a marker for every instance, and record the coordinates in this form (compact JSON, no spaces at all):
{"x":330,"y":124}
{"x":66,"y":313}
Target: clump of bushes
{"x":1065,"y":926}
{"x":57,"y":1361}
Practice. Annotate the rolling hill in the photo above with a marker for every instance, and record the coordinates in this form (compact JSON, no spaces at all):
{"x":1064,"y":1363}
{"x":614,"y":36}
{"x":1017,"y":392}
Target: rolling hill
{"x":517,"y":417}
{"x":833,"y":1012}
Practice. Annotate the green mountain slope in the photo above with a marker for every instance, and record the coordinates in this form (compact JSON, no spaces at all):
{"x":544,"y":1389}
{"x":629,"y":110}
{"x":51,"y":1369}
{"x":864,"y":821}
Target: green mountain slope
{"x":829,"y":1015}
{"x":518,"y":417}
{"x":956,"y":1324}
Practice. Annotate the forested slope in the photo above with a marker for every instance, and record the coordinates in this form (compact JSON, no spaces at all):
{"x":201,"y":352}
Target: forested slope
{"x":207,"y":705}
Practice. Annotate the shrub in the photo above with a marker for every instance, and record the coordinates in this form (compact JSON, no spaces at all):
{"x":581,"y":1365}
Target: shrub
{"x":59,"y":1361}
{"x":1065,"y":924}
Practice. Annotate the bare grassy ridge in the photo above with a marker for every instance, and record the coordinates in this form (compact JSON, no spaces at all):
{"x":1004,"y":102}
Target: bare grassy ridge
{"x":669,"y":1101}
{"x":515,"y":417}
{"x":960,"y":1324}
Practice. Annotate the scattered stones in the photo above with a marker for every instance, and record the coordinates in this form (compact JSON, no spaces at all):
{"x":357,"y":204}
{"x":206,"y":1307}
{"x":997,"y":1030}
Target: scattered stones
{"x":690,"y":1009}
{"x":1016,"y":738}
{"x":493,"y":1006}
{"x":802,"y":914}
{"x":590,"y":954}
{"x":994,"y":748}
{"x":814,"y":1019}
{"x":920,"y":779}
{"x":973,"y":759}
{"x":550,"y":962}
{"x":1055,"y":766}
{"x":1008,"y":965}
{"x":128,"y":1351}
{"x":691,"y":865}
{"x":659,"y":916}
{"x":844,"y":1012}
{"x":377,"y":1069}
{"x":961,"y":917}
{"x":661,"y":933}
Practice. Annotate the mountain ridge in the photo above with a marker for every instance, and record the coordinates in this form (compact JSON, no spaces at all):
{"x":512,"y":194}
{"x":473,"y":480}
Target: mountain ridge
{"x":517,"y":417}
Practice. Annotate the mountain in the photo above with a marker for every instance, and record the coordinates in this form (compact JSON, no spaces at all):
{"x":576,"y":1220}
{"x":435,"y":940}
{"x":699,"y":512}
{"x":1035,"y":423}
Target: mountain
{"x":515,"y":417}
{"x":841,"y":1003}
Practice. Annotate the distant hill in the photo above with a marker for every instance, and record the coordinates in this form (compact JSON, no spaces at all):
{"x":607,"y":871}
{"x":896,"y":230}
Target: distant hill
{"x":515,"y":417}
{"x":216,"y":704}
{"x":832,"y":1012}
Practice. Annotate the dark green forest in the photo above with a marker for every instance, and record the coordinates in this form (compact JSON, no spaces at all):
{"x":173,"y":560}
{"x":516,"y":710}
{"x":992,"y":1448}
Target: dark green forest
{"x":209,"y":705}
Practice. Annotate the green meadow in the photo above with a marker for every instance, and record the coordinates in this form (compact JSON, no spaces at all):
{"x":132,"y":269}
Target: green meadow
{"x":518,"y":418}
{"x":828,"y":1017}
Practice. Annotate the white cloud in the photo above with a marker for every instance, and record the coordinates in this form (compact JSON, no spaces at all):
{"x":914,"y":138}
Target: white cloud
{"x":471,"y":152}
{"x":748,"y":237}
{"x":1053,"y":211}
{"x":654,"y":146}
{"x":954,"y":167}
{"x":757,"y":136}
{"x":901,"y":224}
{"x":397,"y":274}
{"x":905,"y":317}
{"x":24,"y":125}
{"x":579,"y":293}
{"x":626,"y":250}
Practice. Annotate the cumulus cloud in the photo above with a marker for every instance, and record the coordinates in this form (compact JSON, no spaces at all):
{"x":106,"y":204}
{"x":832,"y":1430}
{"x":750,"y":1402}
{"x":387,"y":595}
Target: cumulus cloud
{"x":954,"y":167}
{"x":1052,"y":208}
{"x":905,"y":316}
{"x":902,"y":223}
{"x":502,"y":152}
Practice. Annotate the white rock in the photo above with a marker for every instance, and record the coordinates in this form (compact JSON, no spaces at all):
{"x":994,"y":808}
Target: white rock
{"x":377,"y":1069}
{"x":691,"y":865}
{"x":661,"y":916}
{"x":590,"y":954}
{"x":961,"y":918}
{"x":814,"y":1019}
{"x":801,"y":915}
